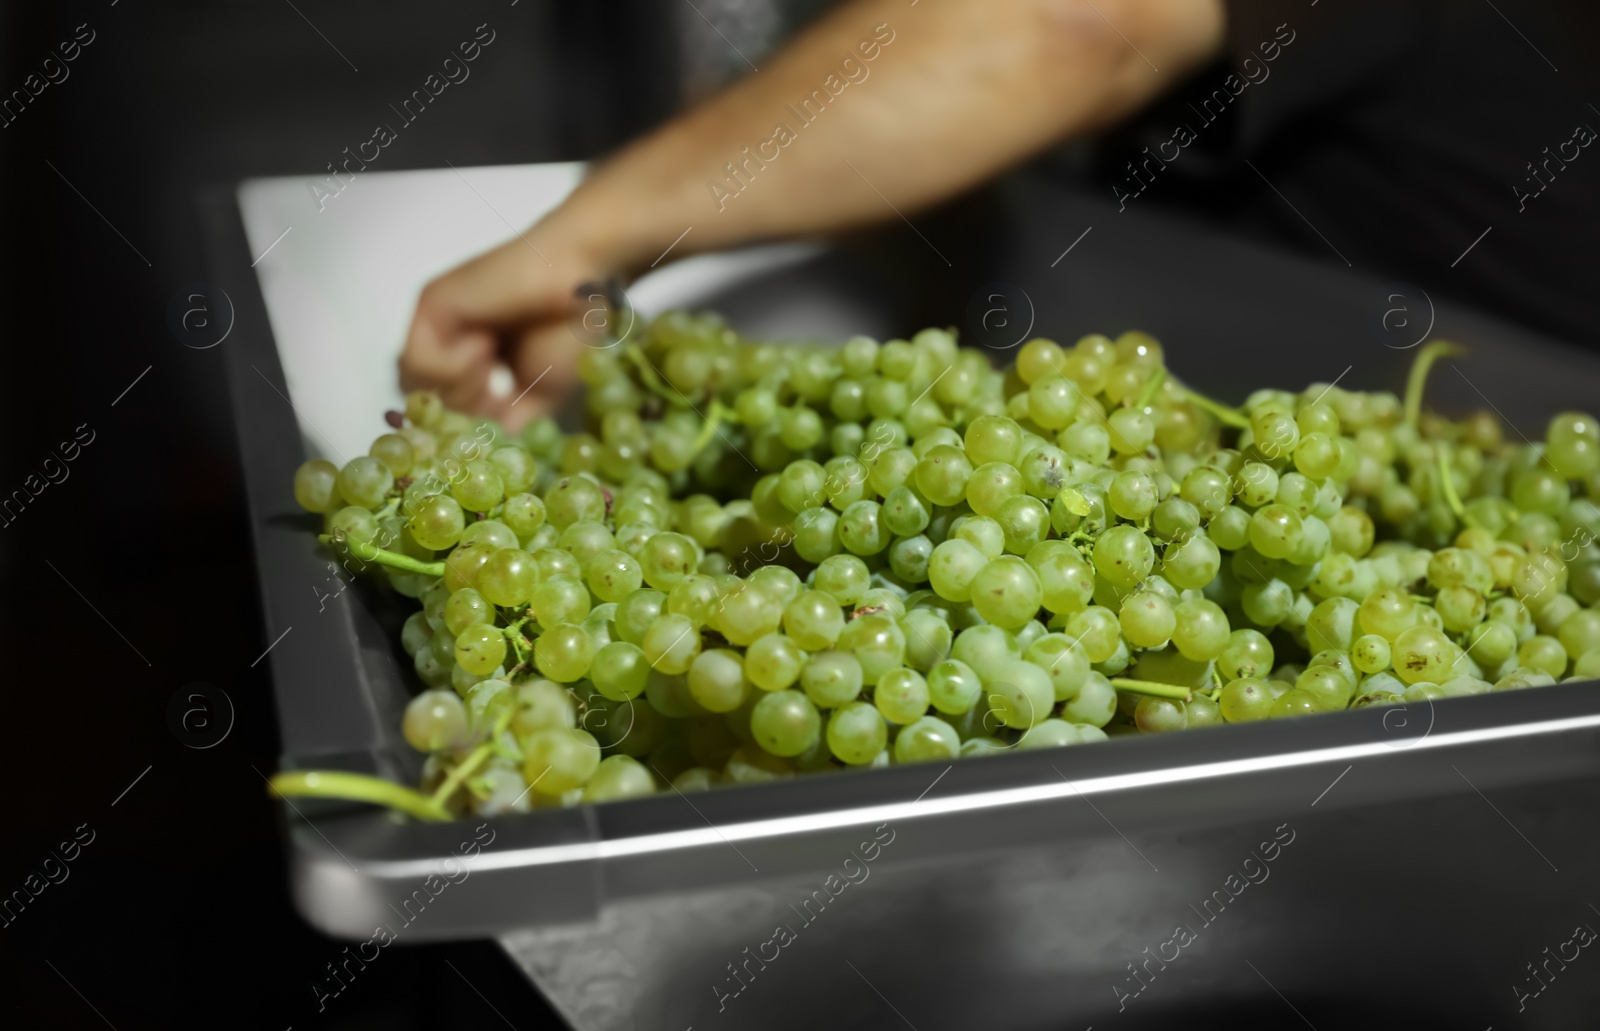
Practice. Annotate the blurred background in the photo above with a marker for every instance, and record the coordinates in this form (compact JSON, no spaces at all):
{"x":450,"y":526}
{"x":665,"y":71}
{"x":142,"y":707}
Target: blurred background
{"x":133,"y":577}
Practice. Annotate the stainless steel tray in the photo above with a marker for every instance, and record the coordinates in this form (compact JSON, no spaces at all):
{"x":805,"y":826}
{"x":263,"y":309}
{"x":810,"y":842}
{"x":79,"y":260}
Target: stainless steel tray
{"x":1433,"y":853}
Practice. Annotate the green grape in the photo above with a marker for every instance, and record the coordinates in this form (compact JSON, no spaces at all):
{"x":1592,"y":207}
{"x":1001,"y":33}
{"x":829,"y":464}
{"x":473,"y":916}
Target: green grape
{"x":613,"y":575}
{"x":1097,"y":629}
{"x":1053,"y":401}
{"x":352,"y":524}
{"x":1245,"y":700}
{"x":856,"y":733}
{"x":1066,"y":579}
{"x":573,"y":499}
{"x":466,"y":608}
{"x":745,"y":612}
{"x":618,"y":776}
{"x":585,"y":540}
{"x":491,"y":532}
{"x":800,"y":486}
{"x":559,"y":759}
{"x":845,"y":577}
{"x":1294,"y":702}
{"x":927,"y":739}
{"x":1572,"y":445}
{"x":909,"y":558}
{"x":480,"y":648}
{"x":364,"y":481}
{"x":671,"y":644}
{"x":813,"y":620}
{"x":1387,"y":613}
{"x":559,"y":599}
{"x":1421,"y":653}
{"x":1230,"y":528}
{"x":666,"y":559}
{"x":941,"y":475}
{"x":1200,"y":629}
{"x":1191,"y":563}
{"x":1266,"y":604}
{"x":1370,"y":653}
{"x":773,"y":662}
{"x":415,"y":633}
{"x":717,"y":680}
{"x":1065,"y":662}
{"x":437,"y":523}
{"x":928,"y":638}
{"x":316,"y":487}
{"x":1095,"y":704}
{"x":861,"y":530}
{"x":991,"y":484}
{"x":785,"y":723}
{"x":888,"y":468}
{"x":619,"y":671}
{"x":982,"y":532}
{"x":696,"y":596}
{"x":1132,"y":495}
{"x":832,"y":679}
{"x":1006,"y":591}
{"x":1247,"y":655}
{"x":1021,"y":694}
{"x":1024,"y":521}
{"x":636,"y":612}
{"x":1160,"y":715}
{"x":1124,"y":556}
{"x":878,"y":642}
{"x":1328,"y":685}
{"x":1131,"y":431}
{"x":901,"y":695}
{"x":435,"y":721}
{"x":508,"y":578}
{"x":904,"y":513}
{"x":1539,"y":652}
{"x":1147,"y":620}
{"x":563,"y":652}
{"x":1579,"y":632}
{"x":816,"y":535}
{"x":1275,"y":529}
{"x":953,"y":688}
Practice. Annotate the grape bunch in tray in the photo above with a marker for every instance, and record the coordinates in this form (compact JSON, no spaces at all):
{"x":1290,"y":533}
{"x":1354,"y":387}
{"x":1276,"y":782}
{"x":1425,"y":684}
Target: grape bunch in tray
{"x":765,"y":561}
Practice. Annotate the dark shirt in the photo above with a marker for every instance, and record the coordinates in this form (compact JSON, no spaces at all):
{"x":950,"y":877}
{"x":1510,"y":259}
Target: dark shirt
{"x":1443,"y":142}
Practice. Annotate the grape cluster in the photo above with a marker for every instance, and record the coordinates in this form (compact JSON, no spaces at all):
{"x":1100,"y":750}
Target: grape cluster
{"x":761,"y":561}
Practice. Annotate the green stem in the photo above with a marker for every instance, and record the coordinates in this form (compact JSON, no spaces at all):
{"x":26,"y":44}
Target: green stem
{"x":478,"y":757}
{"x":357,"y":787}
{"x":719,"y":412}
{"x":1448,"y":483}
{"x":1429,"y":354}
{"x":1152,"y":385}
{"x":373,"y":553}
{"x":1150,"y":687}
{"x":652,"y":379}
{"x":1227,"y":416}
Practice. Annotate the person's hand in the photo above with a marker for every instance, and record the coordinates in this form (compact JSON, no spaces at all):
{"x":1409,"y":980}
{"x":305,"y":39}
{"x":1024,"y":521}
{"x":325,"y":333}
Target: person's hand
{"x":508,"y":307}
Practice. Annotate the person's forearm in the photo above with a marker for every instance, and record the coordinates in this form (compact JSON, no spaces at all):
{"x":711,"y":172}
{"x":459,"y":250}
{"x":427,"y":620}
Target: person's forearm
{"x":883,"y":102}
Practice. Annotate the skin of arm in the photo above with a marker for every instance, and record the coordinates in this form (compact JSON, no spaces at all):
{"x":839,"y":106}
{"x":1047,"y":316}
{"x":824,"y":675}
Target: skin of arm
{"x":957,"y":91}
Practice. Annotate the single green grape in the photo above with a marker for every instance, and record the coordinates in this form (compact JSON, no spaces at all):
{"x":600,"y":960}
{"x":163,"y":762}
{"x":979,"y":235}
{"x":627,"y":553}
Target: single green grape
{"x":773,"y":662}
{"x":856,"y":733}
{"x":316,"y":487}
{"x":435,"y":721}
{"x":1006,"y":592}
{"x":480,"y":648}
{"x":671,"y":644}
{"x":785,"y":723}
{"x":1124,"y":556}
{"x":901,"y":695}
{"x":563,"y":653}
{"x":1245,"y":700}
{"x":928,"y":738}
{"x":559,"y":759}
{"x":717,"y":680}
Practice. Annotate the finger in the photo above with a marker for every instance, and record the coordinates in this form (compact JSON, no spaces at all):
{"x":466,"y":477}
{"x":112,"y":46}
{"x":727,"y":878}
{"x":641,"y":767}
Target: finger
{"x":545,"y":361}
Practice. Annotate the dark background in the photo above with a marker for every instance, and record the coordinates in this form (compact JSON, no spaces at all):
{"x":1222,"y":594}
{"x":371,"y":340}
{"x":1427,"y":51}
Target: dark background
{"x":133,"y":578}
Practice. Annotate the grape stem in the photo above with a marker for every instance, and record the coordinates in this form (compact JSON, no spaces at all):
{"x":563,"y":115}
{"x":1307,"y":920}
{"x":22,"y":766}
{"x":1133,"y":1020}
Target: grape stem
{"x":477,"y":758}
{"x":1152,"y":385}
{"x":1227,"y":416}
{"x":719,"y":412}
{"x":395,"y":560}
{"x":652,"y":379}
{"x":357,"y":787}
{"x":1150,"y":687}
{"x":1448,"y":483}
{"x":1429,"y":354}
